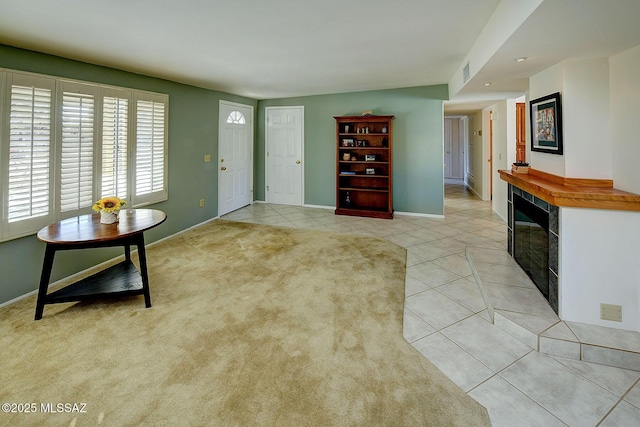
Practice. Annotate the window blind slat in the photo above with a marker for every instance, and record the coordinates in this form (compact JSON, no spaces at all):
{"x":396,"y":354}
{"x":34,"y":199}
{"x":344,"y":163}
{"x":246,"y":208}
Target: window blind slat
{"x":76,"y":162}
{"x":29,"y":148}
{"x":114,"y":147}
{"x":150,"y":141}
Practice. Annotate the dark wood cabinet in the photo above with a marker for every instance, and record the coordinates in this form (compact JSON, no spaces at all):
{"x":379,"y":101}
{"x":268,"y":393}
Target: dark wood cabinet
{"x":364,"y":176}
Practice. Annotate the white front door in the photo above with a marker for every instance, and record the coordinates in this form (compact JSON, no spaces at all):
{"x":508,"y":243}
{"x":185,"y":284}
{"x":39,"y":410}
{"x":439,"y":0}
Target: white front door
{"x":235,"y":149}
{"x":284,"y":155}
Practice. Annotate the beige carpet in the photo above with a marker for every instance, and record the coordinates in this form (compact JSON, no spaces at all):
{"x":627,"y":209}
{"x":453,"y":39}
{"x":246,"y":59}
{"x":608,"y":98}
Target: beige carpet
{"x":250,"y":326}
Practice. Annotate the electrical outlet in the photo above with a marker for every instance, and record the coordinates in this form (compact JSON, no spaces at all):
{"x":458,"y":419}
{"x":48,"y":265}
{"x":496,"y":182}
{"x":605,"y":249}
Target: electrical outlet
{"x":611,"y":312}
{"x":207,"y":158}
{"x":202,"y":203}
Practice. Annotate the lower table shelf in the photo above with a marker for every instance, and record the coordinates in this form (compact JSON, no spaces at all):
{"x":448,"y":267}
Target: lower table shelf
{"x":119,"y":280}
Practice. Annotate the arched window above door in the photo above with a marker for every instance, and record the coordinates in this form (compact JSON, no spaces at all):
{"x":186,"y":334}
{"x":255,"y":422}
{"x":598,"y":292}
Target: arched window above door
{"x":237,"y":118}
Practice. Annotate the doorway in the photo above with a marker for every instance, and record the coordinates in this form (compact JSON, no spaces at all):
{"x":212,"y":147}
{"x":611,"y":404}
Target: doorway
{"x":235,"y":156}
{"x":284,"y":143}
{"x":453,"y":151}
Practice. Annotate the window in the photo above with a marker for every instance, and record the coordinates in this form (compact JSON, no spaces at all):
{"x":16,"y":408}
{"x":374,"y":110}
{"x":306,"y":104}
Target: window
{"x":77,"y":151}
{"x":115,"y":125}
{"x":26,"y":153}
{"x":150,"y":149}
{"x":65,"y":144}
{"x":236,"y":117}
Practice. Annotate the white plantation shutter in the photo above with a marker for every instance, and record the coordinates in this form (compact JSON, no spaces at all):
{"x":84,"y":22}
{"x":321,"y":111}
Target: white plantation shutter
{"x":150,"y":175}
{"x":115,"y":130}
{"x":77,"y":151}
{"x":64,"y":144}
{"x":29,"y":157}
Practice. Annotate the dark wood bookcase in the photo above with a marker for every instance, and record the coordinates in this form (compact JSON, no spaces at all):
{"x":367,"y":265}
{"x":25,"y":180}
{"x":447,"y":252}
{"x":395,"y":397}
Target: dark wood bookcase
{"x":364,"y":148}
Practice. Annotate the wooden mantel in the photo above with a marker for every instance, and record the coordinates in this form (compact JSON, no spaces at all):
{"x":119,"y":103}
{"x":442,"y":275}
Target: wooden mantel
{"x":573,"y":192}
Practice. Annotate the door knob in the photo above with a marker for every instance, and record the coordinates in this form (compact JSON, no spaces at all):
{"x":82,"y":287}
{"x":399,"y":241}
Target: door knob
{"x":297,"y":162}
{"x":224,"y":168}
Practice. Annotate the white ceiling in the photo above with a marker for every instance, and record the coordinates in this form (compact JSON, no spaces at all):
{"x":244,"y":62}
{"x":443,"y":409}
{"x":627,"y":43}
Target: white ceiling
{"x":284,"y":48}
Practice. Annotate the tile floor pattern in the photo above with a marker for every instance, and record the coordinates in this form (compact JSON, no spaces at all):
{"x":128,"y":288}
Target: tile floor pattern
{"x":446,"y":319}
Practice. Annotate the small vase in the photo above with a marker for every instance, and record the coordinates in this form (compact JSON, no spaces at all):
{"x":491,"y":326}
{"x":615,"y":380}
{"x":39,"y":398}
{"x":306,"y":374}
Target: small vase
{"x":108,"y":217}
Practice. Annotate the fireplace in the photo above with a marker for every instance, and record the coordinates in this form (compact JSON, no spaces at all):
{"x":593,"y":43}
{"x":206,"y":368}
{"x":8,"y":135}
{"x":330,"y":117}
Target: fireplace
{"x":533,"y":240}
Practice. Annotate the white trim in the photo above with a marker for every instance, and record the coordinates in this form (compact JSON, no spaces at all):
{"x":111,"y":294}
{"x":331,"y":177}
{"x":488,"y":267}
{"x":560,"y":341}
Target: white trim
{"x":473,"y":190}
{"x":318,"y":206}
{"x":423,"y":215}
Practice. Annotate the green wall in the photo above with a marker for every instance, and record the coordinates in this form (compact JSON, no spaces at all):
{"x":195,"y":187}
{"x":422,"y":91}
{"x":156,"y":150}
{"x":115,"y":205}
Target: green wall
{"x":417,"y":144}
{"x":193,"y":132}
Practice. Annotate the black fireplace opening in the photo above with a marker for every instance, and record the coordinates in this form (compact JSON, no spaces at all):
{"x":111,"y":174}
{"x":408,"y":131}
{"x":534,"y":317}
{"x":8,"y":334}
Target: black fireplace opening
{"x":531,"y":241}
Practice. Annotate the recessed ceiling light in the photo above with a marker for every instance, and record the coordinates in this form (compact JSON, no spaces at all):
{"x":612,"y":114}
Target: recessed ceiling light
{"x":521,"y":58}
{"x":488,"y":84}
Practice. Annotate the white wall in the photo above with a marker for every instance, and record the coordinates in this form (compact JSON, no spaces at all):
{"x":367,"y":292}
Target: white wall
{"x":586,"y":125}
{"x":504,"y":134}
{"x":486,"y":153}
{"x":476,"y":160}
{"x":545,"y":83}
{"x":599,"y":249}
{"x":599,"y":263}
{"x":508,"y":16}
{"x":625,"y":114}
{"x":624,"y":70}
{"x":586,"y":120}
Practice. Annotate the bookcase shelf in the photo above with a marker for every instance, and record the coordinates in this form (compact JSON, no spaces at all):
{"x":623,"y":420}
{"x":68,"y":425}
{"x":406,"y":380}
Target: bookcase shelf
{"x":364,"y":148}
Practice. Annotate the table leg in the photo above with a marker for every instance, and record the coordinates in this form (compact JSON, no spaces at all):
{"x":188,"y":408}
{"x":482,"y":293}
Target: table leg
{"x":142,"y":257}
{"x":127,"y":252}
{"x":47,"y":265}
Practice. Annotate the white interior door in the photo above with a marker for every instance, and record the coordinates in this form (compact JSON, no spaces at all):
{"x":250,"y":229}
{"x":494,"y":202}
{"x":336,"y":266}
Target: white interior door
{"x":284,"y":155}
{"x":453,"y":149}
{"x":235,"y":153}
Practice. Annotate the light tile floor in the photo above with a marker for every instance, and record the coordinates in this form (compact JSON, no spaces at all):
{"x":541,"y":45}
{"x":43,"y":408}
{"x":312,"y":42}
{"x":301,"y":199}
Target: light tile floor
{"x":447,"y":321}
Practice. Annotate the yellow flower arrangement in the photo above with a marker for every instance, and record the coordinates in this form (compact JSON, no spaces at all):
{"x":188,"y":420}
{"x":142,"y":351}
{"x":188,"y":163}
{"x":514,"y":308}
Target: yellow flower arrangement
{"x":109,"y":204}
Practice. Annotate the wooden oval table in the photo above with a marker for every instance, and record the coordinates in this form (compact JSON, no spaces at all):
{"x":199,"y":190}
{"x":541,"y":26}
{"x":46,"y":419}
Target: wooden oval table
{"x":86,"y":231}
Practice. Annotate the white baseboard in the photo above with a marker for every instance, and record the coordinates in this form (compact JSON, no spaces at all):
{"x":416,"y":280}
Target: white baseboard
{"x":319,"y":207}
{"x":422,"y":215}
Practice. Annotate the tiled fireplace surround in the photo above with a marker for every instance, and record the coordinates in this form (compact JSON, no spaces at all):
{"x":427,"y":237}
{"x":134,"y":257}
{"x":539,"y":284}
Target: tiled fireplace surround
{"x":554,"y":221}
{"x":542,"y":329}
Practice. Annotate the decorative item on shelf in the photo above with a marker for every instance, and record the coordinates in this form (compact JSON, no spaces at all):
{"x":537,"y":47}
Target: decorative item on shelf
{"x":347,"y":200}
{"x":384,"y":129}
{"x":370,"y":157}
{"x":370,"y":171}
{"x":520,"y":167}
{"x":109,"y":208}
{"x":347,"y":173}
{"x":346,"y":128}
{"x":346,"y":156}
{"x":367,"y":113}
{"x":348,"y":142}
{"x":385,"y":142}
{"x":354,"y":157}
{"x":361,"y":143}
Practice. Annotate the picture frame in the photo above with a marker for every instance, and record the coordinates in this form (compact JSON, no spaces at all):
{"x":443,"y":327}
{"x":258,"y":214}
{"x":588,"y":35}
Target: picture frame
{"x":546,"y":124}
{"x":370,"y":157}
{"x":361,"y":143}
{"x":348,"y":142}
{"x":370,"y":171}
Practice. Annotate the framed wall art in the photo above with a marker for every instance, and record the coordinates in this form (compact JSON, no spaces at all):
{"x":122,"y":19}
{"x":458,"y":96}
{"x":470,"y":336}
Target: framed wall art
{"x":546,"y":124}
